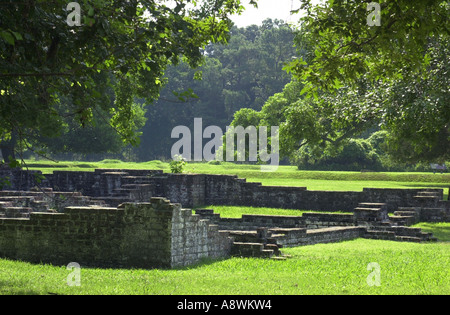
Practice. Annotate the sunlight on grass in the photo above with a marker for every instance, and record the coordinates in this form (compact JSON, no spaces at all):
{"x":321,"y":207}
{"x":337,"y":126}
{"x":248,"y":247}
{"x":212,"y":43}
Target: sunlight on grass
{"x":238,"y":211}
{"x":440,"y":230}
{"x":338,"y":268}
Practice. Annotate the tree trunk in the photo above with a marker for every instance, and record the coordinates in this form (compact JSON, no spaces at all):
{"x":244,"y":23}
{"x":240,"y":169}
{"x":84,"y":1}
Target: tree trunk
{"x":7,"y":148}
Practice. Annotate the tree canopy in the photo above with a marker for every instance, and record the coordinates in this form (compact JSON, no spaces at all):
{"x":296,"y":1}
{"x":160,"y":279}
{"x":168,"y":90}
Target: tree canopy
{"x":357,"y":68}
{"x":357,"y":75}
{"x":244,"y":73}
{"x":120,"y":45}
{"x":344,"y":47}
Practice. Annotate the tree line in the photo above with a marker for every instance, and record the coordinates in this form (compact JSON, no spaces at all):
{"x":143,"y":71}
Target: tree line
{"x":346,"y":94}
{"x":363,"y":97}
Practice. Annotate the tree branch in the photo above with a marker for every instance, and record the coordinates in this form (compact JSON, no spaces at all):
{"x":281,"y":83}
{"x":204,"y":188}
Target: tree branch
{"x":7,"y":75}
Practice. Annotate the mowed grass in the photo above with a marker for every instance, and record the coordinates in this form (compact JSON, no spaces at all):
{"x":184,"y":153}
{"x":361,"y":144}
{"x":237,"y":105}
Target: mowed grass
{"x":338,"y":268}
{"x":238,"y":211}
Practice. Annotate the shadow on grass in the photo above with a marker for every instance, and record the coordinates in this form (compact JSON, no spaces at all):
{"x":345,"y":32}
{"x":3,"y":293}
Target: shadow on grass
{"x":15,"y":287}
{"x":440,"y":230}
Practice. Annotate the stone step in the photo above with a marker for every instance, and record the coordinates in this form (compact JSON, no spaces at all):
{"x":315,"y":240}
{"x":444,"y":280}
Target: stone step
{"x":408,"y":239}
{"x":122,"y":191}
{"x":246,"y":249}
{"x":390,"y":235}
{"x":373,"y":205}
{"x":412,"y":209}
{"x":367,"y":209}
{"x":40,"y":206}
{"x":428,"y":194}
{"x":403,"y":220}
{"x":274,"y":248}
{"x":17,"y":212}
{"x":244,"y":236}
{"x":17,"y":201}
{"x":404,"y":213}
{"x":426,"y":198}
{"x":405,"y":231}
{"x":266,"y":253}
{"x":279,"y":257}
{"x":137,"y":180}
{"x":5,"y":204}
{"x":112,"y":201}
{"x":379,"y":235}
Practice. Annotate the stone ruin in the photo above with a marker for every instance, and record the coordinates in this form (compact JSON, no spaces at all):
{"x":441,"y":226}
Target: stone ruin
{"x":123,"y":218}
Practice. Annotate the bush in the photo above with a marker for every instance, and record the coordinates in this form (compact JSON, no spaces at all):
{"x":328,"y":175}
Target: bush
{"x":353,"y":155}
{"x":177,"y":164}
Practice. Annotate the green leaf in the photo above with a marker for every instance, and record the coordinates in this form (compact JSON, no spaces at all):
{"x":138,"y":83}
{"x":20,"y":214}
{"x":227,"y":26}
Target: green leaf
{"x":39,"y":178}
{"x":198,"y":75}
{"x":305,"y":89}
{"x":8,"y":37}
{"x":337,"y":83}
{"x":317,"y":53}
{"x":17,"y":35}
{"x":13,"y":163}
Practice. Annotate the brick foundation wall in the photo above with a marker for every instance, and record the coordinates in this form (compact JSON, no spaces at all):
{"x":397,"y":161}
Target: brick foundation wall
{"x":330,"y":235}
{"x":145,"y":235}
{"x":193,"y":190}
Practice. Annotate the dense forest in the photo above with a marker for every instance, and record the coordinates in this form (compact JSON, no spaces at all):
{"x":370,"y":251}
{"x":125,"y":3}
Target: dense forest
{"x":243,"y":73}
{"x":243,"y":83}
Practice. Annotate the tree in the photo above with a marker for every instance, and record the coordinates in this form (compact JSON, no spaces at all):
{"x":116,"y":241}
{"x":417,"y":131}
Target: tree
{"x":353,"y":155}
{"x":344,"y":47}
{"x":124,"y":45}
{"x":241,"y":74}
{"x":252,"y":64}
{"x":418,"y":118}
{"x":394,"y":75}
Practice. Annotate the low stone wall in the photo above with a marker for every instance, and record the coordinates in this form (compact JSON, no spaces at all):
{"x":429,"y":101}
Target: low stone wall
{"x":162,"y":234}
{"x":145,"y":235}
{"x":308,"y":220}
{"x":288,"y":237}
{"x":194,"y":238}
{"x":434,"y":215}
{"x":193,"y":190}
{"x":323,"y":220}
{"x":299,"y":237}
{"x":335,"y":234}
{"x":250,"y":221}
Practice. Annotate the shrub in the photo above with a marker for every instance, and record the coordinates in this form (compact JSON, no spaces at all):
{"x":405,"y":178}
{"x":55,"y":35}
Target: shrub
{"x":353,"y":155}
{"x":177,"y":164}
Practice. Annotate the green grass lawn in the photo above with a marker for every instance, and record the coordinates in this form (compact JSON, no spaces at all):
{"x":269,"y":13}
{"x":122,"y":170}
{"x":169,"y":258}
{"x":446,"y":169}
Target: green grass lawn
{"x":338,"y":268}
{"x":238,"y":211}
